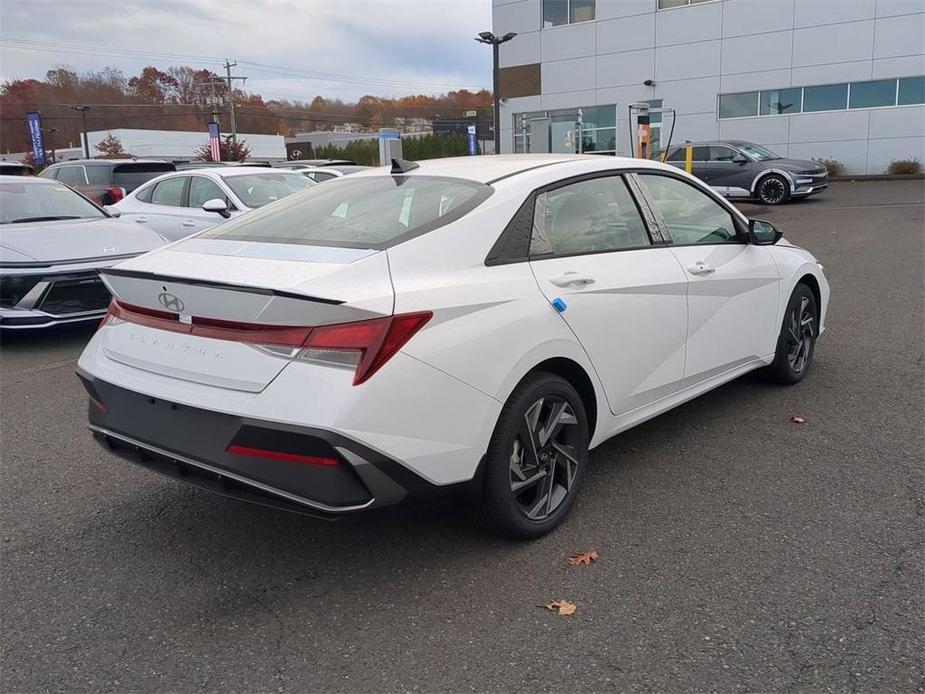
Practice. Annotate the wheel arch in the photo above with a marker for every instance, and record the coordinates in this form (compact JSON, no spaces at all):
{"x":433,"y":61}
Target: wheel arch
{"x":810,"y":281}
{"x":767,"y":172}
{"x":575,"y":374}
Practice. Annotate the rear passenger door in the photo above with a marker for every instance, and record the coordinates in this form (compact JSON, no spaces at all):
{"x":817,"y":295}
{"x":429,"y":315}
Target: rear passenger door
{"x":622,"y":290}
{"x":162,"y":207}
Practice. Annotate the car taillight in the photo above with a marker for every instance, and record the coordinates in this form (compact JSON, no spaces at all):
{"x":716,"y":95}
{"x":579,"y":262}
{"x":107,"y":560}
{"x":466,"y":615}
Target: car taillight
{"x":366,"y":344}
{"x":114,"y":194}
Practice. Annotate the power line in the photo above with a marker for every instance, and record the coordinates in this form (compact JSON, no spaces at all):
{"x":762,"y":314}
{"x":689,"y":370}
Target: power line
{"x":278,"y":70}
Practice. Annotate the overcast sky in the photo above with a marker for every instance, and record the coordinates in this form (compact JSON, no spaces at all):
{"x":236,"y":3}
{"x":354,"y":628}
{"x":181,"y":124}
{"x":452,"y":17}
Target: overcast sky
{"x":380,"y":47}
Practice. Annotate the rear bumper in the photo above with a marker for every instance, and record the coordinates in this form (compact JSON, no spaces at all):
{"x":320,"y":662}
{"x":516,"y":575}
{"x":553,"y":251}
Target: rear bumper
{"x":191,"y":444}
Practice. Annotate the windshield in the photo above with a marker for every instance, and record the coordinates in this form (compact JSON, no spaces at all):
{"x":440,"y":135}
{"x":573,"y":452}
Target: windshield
{"x":20,"y":202}
{"x":259,"y":189}
{"x":375,"y":212}
{"x":758,"y":153}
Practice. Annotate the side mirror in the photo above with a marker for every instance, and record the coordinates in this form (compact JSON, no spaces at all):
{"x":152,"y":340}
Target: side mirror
{"x":762,"y":233}
{"x":740,"y":159}
{"x":112,"y":211}
{"x":218,"y":206}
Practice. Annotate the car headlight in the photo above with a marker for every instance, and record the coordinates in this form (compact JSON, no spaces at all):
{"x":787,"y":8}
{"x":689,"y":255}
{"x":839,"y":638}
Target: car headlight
{"x":14,"y":287}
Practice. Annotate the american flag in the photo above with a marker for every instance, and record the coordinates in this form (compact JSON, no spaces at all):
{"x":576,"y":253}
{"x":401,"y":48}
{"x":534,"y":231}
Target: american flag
{"x":214,"y":141}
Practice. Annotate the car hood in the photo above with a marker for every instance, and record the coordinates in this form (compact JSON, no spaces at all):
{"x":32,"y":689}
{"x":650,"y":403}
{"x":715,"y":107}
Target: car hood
{"x":798,"y":165}
{"x":74,"y":240}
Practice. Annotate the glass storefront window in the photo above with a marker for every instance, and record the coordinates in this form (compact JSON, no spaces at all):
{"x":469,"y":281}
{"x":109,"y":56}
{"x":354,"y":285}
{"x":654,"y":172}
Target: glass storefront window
{"x":565,"y":131}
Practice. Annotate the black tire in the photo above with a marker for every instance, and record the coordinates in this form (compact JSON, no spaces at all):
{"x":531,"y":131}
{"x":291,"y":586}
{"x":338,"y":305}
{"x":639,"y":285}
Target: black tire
{"x":773,"y":189}
{"x":797,"y":340}
{"x":511,"y":460}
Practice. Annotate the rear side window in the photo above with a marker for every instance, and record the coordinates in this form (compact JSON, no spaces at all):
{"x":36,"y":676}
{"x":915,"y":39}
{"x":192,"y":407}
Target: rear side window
{"x":98,"y":175}
{"x":374,"y":212}
{"x":591,"y":216}
{"x":72,"y":175}
{"x":130,"y":176}
{"x":259,"y":189}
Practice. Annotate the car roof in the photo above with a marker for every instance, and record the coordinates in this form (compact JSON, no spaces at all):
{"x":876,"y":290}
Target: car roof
{"x":107,"y":162}
{"x":488,"y":168}
{"x":316,"y":162}
{"x":32,"y":180}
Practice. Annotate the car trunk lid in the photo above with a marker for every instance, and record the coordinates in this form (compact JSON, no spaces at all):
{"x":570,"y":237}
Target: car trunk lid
{"x":229,"y":313}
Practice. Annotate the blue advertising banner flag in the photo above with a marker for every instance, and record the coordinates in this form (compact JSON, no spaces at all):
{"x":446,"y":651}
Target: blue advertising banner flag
{"x":472,"y":146}
{"x":34,"y":122}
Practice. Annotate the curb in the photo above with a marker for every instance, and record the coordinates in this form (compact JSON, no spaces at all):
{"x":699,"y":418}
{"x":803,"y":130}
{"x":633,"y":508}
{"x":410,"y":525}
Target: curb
{"x":879,"y":177}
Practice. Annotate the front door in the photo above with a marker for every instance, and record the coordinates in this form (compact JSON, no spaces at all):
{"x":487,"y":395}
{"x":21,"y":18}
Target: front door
{"x":733,"y":285}
{"x":622,"y":296}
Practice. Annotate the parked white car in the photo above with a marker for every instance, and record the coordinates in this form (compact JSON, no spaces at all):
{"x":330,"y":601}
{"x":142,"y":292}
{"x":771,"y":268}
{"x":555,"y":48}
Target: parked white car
{"x":477,"y":321}
{"x":179,"y":204}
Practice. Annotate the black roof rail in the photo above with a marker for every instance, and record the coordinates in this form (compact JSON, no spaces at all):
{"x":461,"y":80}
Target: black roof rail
{"x":400,"y":166}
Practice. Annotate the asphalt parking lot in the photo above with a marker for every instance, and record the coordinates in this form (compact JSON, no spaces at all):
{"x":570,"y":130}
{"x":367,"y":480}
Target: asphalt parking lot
{"x":738,"y":551}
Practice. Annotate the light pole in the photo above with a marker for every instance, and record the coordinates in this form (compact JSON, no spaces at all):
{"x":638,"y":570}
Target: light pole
{"x":83,"y":114}
{"x":495,"y":41}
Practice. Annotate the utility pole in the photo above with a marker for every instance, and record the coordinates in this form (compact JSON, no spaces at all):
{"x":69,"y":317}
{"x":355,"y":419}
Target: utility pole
{"x":229,"y":78}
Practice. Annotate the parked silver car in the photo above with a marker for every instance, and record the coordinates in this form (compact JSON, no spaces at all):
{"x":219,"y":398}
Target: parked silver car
{"x":179,"y":204}
{"x":53,"y":242}
{"x":739,"y":169}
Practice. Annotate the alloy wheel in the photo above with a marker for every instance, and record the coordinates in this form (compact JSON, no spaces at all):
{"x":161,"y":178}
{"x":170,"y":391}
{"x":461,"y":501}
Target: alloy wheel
{"x":772,"y":191}
{"x":800,"y":335}
{"x":544,"y":459}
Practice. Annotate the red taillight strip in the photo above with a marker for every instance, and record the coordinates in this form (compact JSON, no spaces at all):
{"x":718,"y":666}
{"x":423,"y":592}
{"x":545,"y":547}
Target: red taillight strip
{"x":290,"y":336}
{"x":235,"y":449}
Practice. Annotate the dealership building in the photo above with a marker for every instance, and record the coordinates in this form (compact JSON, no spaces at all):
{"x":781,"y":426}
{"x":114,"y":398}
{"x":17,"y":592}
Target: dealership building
{"x":834,"y":79}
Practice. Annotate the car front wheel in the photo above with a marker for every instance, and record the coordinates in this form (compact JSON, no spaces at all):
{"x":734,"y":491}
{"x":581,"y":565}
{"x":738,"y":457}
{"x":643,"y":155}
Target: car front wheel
{"x":797,"y":340}
{"x":536,"y":458}
{"x":773,"y":190}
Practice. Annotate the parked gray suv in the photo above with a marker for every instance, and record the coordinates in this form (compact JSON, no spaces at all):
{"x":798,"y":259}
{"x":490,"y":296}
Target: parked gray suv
{"x":739,"y":169}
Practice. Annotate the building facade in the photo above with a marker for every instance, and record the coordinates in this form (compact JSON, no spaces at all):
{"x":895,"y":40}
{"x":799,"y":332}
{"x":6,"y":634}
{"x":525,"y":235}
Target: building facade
{"x":832,"y":79}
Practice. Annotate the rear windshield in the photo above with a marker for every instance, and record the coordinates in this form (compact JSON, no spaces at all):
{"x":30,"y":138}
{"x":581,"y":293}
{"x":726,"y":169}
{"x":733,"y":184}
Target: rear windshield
{"x":358,"y":212}
{"x":130,"y":176}
{"x":259,"y":189}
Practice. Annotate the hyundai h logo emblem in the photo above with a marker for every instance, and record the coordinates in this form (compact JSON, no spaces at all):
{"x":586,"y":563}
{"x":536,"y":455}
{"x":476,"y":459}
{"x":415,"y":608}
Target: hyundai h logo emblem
{"x":171,"y":302}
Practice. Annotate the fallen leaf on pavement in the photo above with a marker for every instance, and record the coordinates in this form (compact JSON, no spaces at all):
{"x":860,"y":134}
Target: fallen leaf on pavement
{"x":561,"y":606}
{"x":632,"y":450}
{"x":583,"y":558}
{"x":797,"y":419}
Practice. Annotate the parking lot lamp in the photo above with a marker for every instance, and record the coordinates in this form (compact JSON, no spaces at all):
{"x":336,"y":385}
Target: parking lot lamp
{"x":494,"y":41}
{"x":83,"y":114}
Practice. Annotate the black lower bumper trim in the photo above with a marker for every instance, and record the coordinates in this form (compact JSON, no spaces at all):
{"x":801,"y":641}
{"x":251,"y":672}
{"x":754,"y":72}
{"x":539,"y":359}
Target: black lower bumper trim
{"x":191,"y":444}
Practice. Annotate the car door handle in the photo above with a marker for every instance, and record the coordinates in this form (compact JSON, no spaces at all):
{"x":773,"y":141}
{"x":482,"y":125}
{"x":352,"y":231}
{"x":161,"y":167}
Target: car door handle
{"x":570,"y":278}
{"x":189,"y":223}
{"x":141,"y":220}
{"x":700,"y":269}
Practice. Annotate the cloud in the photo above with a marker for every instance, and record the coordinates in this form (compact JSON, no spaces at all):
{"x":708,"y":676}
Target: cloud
{"x":295,"y":49}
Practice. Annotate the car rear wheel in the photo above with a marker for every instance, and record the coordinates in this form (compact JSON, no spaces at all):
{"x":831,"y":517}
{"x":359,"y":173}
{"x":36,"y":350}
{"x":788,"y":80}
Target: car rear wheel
{"x":536,"y":458}
{"x":797,"y":340}
{"x":773,"y":190}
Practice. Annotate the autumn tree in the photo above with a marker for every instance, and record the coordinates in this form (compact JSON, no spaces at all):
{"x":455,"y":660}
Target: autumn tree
{"x":230,"y":151}
{"x":153,"y":86}
{"x":110,"y":147}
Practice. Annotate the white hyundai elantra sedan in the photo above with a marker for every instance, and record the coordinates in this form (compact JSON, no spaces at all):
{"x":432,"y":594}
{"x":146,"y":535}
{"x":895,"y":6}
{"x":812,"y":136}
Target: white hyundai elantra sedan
{"x":474,"y":322}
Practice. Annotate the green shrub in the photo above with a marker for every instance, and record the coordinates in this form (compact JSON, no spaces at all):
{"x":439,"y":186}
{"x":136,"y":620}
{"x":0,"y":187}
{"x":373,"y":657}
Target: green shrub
{"x":904,"y":166}
{"x":833,"y":166}
{"x":428,"y":146}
